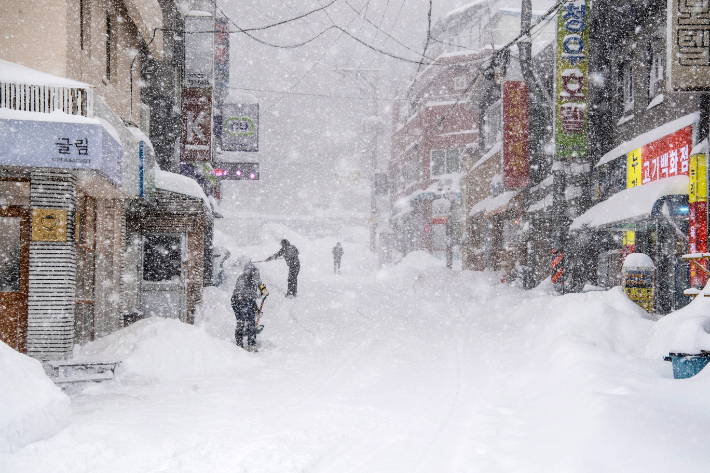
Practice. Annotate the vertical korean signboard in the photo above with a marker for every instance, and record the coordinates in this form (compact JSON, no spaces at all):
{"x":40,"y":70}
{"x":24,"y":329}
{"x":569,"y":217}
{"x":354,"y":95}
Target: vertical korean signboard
{"x":571,"y":79}
{"x":697,"y":225}
{"x":688,"y":45}
{"x":516,"y":144}
{"x":197,"y":124}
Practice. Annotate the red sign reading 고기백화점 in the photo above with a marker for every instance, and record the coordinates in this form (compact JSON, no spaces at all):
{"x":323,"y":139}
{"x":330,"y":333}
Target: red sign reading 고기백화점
{"x":660,"y":159}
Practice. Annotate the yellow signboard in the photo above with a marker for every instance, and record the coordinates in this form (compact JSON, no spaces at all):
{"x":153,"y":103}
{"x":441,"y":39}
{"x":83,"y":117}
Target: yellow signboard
{"x":49,"y":225}
{"x":698,"y":191}
{"x":633,"y":168}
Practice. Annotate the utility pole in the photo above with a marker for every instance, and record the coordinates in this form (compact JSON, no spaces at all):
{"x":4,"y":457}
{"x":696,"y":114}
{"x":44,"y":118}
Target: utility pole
{"x":372,"y":127}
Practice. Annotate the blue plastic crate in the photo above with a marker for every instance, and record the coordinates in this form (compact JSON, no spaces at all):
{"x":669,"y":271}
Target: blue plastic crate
{"x":686,"y":365}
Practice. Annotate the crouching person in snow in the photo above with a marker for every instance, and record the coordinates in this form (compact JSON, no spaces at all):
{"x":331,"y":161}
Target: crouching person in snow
{"x":246,"y":291}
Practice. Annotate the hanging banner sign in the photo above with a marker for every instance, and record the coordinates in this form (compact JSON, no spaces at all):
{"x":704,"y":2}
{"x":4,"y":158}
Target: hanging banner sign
{"x":221,"y":60}
{"x":197,"y":124}
{"x":688,"y":45}
{"x":199,"y":49}
{"x":516,"y":143}
{"x":571,"y":79}
{"x":698,"y":223}
{"x":240,"y":127}
{"x":662,"y":158}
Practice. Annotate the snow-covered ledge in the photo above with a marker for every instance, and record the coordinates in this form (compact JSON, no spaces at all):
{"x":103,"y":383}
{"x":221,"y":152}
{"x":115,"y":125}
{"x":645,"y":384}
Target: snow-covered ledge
{"x":170,"y":181}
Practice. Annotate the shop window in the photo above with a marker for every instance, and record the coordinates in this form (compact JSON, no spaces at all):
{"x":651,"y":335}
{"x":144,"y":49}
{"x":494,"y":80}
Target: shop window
{"x":162,"y":258}
{"x":10,"y":254}
{"x":14,"y":194}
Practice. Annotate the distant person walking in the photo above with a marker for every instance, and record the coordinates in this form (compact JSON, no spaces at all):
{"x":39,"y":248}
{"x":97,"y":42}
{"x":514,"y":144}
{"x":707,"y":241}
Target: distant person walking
{"x":290,"y":255}
{"x":246,"y":291}
{"x":337,"y":256}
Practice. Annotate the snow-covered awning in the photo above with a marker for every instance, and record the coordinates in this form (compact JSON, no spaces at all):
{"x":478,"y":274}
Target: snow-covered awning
{"x":60,"y":140}
{"x":646,"y":138}
{"x":170,"y":181}
{"x":631,"y":205}
{"x":491,"y":206}
{"x":497,"y":148}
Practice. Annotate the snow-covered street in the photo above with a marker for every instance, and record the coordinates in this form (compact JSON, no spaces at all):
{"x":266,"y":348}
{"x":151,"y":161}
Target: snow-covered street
{"x":406,"y":369}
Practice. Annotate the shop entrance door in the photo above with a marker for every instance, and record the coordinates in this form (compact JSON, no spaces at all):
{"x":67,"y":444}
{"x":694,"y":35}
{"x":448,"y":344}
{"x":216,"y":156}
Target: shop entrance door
{"x":164,"y":286}
{"x":14,"y":276}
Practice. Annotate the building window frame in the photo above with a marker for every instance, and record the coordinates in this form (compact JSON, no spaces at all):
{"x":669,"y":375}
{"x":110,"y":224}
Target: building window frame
{"x":109,"y":40}
{"x":656,"y":79}
{"x":627,"y":86}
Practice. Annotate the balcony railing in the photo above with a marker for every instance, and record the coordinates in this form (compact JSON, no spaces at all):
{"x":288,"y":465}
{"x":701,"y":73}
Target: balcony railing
{"x":47,"y":98}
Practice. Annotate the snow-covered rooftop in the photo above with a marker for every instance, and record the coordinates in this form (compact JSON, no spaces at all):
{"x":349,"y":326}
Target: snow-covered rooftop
{"x":55,"y":116}
{"x":15,"y":73}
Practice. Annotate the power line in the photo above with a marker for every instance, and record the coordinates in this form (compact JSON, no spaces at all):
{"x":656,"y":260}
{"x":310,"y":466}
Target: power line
{"x":312,"y":94}
{"x":297,"y":45}
{"x":290,"y":19}
{"x":389,"y":36}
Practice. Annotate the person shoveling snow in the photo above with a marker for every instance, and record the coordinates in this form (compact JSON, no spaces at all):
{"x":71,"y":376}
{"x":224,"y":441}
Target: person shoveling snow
{"x":246,"y":291}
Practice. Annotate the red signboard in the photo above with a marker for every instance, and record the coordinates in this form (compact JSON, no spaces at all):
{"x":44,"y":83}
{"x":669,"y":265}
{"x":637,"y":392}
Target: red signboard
{"x":516,"y":145}
{"x":197,"y":124}
{"x":667,"y":157}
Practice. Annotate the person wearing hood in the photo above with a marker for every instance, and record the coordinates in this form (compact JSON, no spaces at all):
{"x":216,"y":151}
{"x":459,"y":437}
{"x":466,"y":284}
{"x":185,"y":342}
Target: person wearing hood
{"x":337,"y":256}
{"x":246,"y":291}
{"x":290,"y":255}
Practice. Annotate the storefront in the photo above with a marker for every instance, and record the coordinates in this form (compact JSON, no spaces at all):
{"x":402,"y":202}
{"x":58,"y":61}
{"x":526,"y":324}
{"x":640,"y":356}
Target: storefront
{"x":61,"y":216}
{"x":642,"y":188}
{"x":496,"y":233}
{"x":165,"y":249}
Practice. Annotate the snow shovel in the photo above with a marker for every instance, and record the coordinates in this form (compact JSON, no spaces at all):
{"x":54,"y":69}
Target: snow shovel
{"x":259,"y":328}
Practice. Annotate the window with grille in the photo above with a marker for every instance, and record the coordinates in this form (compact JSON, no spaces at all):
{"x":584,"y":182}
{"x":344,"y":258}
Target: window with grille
{"x":655,"y":82}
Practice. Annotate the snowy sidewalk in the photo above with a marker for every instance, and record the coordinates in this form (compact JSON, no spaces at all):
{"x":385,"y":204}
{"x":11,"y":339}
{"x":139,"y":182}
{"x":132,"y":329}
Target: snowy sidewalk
{"x":408,"y":369}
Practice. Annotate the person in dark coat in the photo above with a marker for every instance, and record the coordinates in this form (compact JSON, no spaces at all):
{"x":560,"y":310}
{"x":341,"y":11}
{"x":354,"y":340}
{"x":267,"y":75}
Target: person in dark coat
{"x":290,"y":255}
{"x":337,"y":256}
{"x":246,"y":291}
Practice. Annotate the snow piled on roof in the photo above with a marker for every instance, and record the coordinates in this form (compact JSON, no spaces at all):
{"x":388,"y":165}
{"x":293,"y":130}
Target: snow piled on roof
{"x":140,"y":136}
{"x":632,"y":203}
{"x":491,"y":152}
{"x":462,"y":9}
{"x":170,"y":181}
{"x":32,"y":408}
{"x":15,"y":73}
{"x":649,"y":137}
{"x":491,"y":204}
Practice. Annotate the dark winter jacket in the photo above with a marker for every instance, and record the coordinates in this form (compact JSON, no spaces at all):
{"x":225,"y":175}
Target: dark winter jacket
{"x":338,"y":252}
{"x":247,"y":286}
{"x":289,"y":253}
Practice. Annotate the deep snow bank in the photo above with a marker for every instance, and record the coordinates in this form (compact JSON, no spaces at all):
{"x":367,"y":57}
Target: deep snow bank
{"x":166,"y":349}
{"x":32,"y":408}
{"x":684,"y":331}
